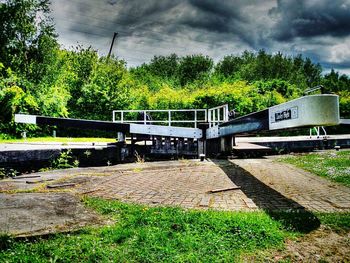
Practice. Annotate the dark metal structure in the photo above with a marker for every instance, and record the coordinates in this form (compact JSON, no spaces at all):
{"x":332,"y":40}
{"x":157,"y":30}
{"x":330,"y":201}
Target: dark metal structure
{"x":217,"y":134}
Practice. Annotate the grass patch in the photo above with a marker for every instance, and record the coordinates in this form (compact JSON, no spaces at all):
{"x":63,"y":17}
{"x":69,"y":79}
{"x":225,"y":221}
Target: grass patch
{"x":336,"y":221}
{"x":329,"y":164}
{"x":142,"y":234}
{"x":57,"y":139}
{"x":161,"y":234}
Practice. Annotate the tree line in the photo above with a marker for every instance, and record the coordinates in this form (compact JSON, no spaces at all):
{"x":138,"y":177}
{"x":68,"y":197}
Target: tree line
{"x":38,"y":77}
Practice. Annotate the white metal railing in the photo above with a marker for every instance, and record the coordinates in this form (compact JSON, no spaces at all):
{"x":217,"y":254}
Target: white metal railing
{"x":121,"y":116}
{"x":218,"y":115}
{"x":318,"y":130}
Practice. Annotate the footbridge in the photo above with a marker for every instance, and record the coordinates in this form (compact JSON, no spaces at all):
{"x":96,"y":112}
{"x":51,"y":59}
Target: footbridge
{"x":204,"y":131}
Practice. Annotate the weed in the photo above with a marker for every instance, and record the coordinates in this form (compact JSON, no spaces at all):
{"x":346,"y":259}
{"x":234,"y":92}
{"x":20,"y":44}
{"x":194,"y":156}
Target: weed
{"x":5,"y":173}
{"x":5,"y":241}
{"x":65,"y":160}
{"x":87,"y":153}
{"x":139,"y":158}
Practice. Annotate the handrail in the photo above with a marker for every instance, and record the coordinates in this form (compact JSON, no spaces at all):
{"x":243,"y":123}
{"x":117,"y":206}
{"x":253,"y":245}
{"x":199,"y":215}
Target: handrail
{"x":214,"y":116}
{"x":218,"y":115}
{"x":169,"y":120}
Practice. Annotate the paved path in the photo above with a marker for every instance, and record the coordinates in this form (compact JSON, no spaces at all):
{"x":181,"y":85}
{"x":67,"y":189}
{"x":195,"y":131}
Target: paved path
{"x":185,"y":184}
{"x":271,"y":184}
{"x":264,"y":183}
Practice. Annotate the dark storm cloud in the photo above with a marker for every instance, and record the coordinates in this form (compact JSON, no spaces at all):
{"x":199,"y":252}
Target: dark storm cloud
{"x":129,"y":18}
{"x":202,"y":20}
{"x":215,"y":17}
{"x":310,"y":18}
{"x":134,"y":11}
{"x":209,"y":16}
{"x":319,"y":29}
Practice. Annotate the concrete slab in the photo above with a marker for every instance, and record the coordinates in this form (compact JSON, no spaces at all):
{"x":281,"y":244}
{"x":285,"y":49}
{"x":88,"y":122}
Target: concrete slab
{"x":43,"y":213}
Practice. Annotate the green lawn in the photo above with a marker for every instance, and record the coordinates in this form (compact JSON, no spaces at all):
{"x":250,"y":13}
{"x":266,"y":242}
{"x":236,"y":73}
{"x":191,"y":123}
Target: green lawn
{"x":57,"y":139}
{"x":329,"y":164}
{"x":142,"y":234}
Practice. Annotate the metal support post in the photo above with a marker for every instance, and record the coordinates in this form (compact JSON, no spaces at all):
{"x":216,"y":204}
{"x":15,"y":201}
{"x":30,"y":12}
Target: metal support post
{"x":121,"y":137}
{"x":226,"y":143}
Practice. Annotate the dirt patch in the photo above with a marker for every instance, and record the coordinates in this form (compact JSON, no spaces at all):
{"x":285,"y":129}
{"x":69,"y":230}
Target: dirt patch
{"x":43,"y":213}
{"x":322,"y":245}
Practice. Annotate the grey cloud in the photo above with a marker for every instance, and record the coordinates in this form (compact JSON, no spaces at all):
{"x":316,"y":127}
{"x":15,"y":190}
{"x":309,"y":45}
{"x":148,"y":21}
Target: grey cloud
{"x":199,"y":20}
{"x":301,"y":18}
{"x":215,"y":28}
{"x":226,"y":9}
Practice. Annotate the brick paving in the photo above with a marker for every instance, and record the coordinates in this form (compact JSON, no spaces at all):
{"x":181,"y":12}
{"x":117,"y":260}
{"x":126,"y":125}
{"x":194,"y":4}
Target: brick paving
{"x":264,"y":184}
{"x":299,"y":187}
{"x":186,"y":184}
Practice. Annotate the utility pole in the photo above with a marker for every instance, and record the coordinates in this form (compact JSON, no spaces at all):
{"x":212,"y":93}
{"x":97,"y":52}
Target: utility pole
{"x":110,"y":50}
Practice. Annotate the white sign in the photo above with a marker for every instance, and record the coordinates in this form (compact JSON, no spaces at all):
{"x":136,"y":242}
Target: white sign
{"x":315,"y":110}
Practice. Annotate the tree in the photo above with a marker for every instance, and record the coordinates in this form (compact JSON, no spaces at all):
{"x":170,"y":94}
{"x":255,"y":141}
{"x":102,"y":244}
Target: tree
{"x":312,"y":72}
{"x":194,"y":67}
{"x":108,"y":89}
{"x":165,"y":66}
{"x":229,"y":66}
{"x":27,"y":36}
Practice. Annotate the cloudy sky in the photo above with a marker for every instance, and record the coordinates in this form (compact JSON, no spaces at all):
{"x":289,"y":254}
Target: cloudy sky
{"x":319,"y":29}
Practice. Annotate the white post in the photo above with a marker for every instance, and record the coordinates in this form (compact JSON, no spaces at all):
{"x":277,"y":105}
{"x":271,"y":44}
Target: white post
{"x":195,"y":118}
{"x":214,"y":118}
{"x":209,"y":118}
{"x":169,"y":117}
{"x":226,"y":112}
{"x":218,"y":116}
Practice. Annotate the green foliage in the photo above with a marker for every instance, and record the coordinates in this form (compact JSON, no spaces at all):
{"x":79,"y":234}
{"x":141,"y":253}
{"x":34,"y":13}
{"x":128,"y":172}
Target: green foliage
{"x":165,"y":66}
{"x":108,"y":89}
{"x":194,"y":68}
{"x":65,"y":160}
{"x":26,"y":36}
{"x":344,"y":104}
{"x":263,"y":67}
{"x":13,"y":99}
{"x":8,"y":172}
{"x":287,"y":90}
{"x":174,"y":71}
{"x":37,"y":77}
{"x":336,"y":221}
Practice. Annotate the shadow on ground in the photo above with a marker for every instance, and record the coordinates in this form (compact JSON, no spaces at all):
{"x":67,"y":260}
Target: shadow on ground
{"x":290,"y":213}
